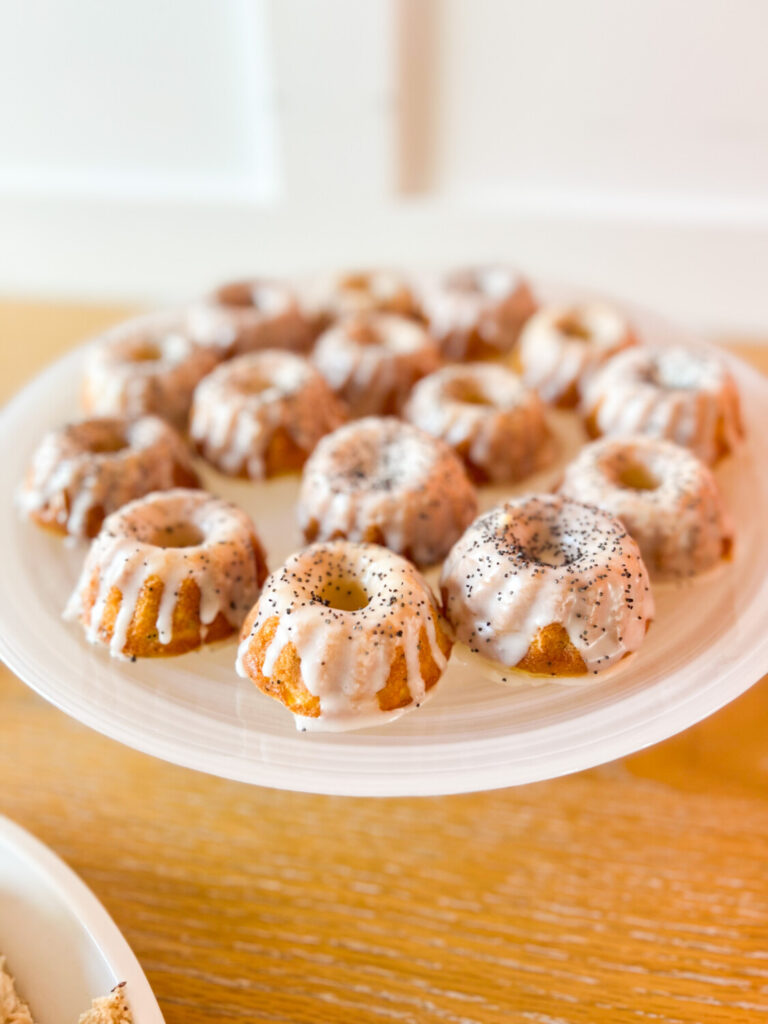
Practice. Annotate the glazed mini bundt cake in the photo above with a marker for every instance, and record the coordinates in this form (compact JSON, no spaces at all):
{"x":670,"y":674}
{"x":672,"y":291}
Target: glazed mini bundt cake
{"x":167,"y":573}
{"x":251,"y":315}
{"x":496,"y":425}
{"x":82,"y":472}
{"x":477,"y":312}
{"x":666,"y":497}
{"x":549,"y":586}
{"x":262,"y":414}
{"x":372,"y":361}
{"x":685,"y":396}
{"x":329,"y":298}
{"x":345,"y":636}
{"x":386,"y":482}
{"x":561,"y":346}
{"x":147,"y":365}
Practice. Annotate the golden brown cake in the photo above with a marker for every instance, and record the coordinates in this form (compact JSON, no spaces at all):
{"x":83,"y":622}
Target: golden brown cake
{"x":496,"y":425}
{"x":666,"y":497}
{"x":373,"y":361}
{"x":147,"y":365}
{"x":262,"y":414}
{"x":561,"y":346}
{"x":167,"y":573}
{"x":86,"y":470}
{"x":476,"y":312}
{"x":676,"y":393}
{"x":251,"y":315}
{"x":386,"y":482}
{"x":345,"y":636}
{"x":549,"y":586}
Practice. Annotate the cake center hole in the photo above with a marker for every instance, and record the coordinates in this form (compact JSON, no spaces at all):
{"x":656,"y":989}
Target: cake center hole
{"x":470,"y":393}
{"x":572,"y":326}
{"x":253,"y":383}
{"x":179,"y":535}
{"x":108,"y":444}
{"x":546,"y":547}
{"x":345,"y":594}
{"x":240,"y":295}
{"x":637,"y":477}
{"x":355,"y":282}
{"x":363,"y":333}
{"x":146,"y":352}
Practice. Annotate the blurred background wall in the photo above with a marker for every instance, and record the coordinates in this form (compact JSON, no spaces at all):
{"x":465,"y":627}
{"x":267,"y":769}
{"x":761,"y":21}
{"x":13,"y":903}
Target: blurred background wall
{"x":152,"y":147}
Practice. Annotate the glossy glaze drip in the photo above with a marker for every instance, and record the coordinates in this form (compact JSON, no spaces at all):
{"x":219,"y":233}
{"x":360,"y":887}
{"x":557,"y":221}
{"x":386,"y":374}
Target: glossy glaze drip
{"x":507,"y":435}
{"x":239,"y":407}
{"x":121,"y":381}
{"x":375,"y":375}
{"x":686,"y":397}
{"x":536,"y":561}
{"x":561,"y":346}
{"x":680,"y":525}
{"x":69,"y":476}
{"x":346,"y":656}
{"x":127,"y":553}
{"x":382,"y":472}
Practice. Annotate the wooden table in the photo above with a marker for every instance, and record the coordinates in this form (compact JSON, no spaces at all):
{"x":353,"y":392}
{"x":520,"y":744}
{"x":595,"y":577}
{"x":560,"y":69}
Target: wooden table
{"x":633,"y":892}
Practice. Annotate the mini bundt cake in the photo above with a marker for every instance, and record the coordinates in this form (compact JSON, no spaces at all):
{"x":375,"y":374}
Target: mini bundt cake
{"x":345,"y":636}
{"x":373,"y":361}
{"x":386,"y":482}
{"x":549,"y":586}
{"x":675,"y":393}
{"x":262,"y":414}
{"x":666,"y":497}
{"x":478,"y":312}
{"x":495,"y":424}
{"x":561,"y":346}
{"x":248,"y":316}
{"x":147,"y":365}
{"x":167,"y":573}
{"x":327,"y":299}
{"x":86,"y":470}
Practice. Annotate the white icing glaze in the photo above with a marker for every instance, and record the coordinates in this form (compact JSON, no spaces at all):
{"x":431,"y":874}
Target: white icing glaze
{"x":540,"y":560}
{"x":561,"y":346}
{"x":129,"y":550}
{"x":372,"y":362}
{"x":674,"y":393}
{"x":346,"y":656}
{"x":122,"y":380}
{"x":238,"y":408}
{"x":381,"y":472}
{"x":483,"y":410}
{"x":248,"y":316}
{"x":680,"y":526}
{"x":492,"y":302}
{"x":73,"y":470}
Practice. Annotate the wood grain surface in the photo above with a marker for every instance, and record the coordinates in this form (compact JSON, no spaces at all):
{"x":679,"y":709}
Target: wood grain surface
{"x":633,"y":892}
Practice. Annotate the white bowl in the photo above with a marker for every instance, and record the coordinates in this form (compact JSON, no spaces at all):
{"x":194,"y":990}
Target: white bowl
{"x":62,"y":947}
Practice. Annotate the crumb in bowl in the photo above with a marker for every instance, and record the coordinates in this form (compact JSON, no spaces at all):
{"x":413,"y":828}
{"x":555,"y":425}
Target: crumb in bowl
{"x":109,"y":1009}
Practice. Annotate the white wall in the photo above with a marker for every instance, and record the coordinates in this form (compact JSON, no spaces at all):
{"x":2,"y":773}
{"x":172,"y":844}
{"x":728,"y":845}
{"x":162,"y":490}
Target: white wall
{"x":149,"y":147}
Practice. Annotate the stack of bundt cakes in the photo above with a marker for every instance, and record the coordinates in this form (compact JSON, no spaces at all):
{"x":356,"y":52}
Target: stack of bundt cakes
{"x":395,"y":402}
